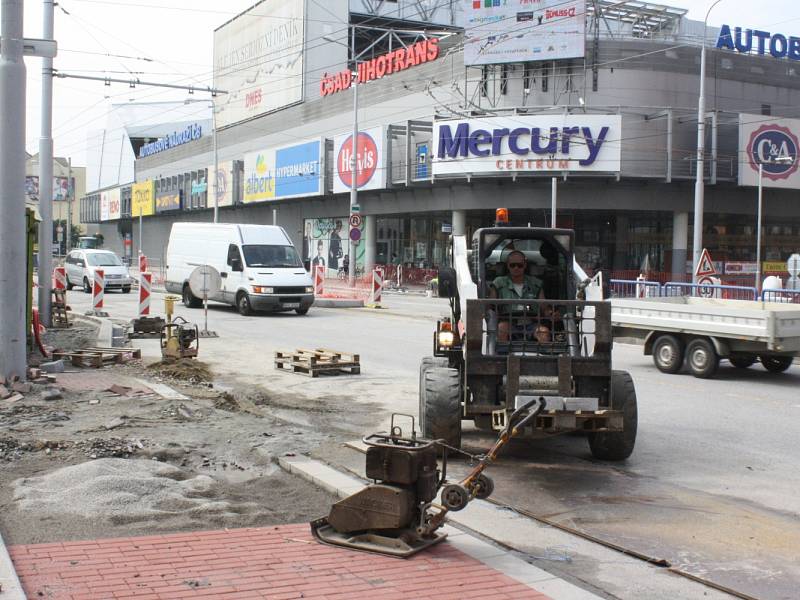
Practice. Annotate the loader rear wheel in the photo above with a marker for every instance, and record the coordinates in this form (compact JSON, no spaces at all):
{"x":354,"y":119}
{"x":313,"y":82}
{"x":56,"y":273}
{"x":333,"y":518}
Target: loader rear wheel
{"x":776,"y":364}
{"x":618,"y":445}
{"x":742,"y":361}
{"x":668,"y":353}
{"x":440,"y":405}
{"x":426,"y":363}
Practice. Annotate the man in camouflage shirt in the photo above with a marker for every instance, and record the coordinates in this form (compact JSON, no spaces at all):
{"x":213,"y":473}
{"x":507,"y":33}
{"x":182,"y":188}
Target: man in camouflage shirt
{"x":518,"y":285}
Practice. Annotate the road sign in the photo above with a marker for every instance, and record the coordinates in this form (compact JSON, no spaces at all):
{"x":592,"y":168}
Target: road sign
{"x":704,"y":290}
{"x":355,"y":220}
{"x":705,"y":266}
{"x":793,"y":265}
{"x":355,"y":234}
{"x":204,"y":281}
{"x":355,"y":209}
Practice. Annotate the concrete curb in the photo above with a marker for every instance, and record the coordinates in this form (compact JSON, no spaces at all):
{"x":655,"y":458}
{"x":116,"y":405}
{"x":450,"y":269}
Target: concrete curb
{"x":10,"y":585}
{"x":495,"y":557}
{"x":106,"y":333}
{"x":337,"y":303}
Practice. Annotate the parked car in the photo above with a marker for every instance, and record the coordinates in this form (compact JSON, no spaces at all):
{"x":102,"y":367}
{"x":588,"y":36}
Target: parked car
{"x":81,"y":264}
{"x":258,"y":264}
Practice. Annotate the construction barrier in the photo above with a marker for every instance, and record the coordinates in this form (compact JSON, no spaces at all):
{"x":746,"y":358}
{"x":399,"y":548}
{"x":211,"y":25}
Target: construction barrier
{"x":319,"y":280}
{"x":142,"y":263}
{"x":60,"y":278}
{"x":145,"y":285}
{"x":377,"y":286}
{"x":98,"y":288}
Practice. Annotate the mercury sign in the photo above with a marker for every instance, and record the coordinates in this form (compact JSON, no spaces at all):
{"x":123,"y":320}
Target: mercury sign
{"x":527,"y":144}
{"x":772,"y":144}
{"x":755,"y":40}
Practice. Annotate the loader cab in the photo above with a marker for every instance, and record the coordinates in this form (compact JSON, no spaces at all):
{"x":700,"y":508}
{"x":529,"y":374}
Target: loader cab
{"x":549,"y":254}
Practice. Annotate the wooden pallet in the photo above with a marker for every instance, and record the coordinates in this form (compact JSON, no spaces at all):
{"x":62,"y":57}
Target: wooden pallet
{"x":97,"y":357}
{"x":58,"y":309}
{"x":312,"y":363}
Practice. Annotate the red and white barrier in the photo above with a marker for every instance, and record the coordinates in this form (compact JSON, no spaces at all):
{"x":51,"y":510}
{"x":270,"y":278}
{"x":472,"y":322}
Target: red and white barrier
{"x":377,"y":286}
{"x":60,"y":274}
{"x":98,"y":288}
{"x":319,"y":280}
{"x":145,"y":285}
{"x":142,"y":263}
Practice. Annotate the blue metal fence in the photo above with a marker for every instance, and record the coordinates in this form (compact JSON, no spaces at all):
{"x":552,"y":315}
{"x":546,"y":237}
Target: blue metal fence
{"x":629,"y":288}
{"x":785,"y":296}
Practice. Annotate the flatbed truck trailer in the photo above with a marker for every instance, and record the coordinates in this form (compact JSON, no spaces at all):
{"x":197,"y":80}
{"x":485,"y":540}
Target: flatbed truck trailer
{"x":701,"y":331}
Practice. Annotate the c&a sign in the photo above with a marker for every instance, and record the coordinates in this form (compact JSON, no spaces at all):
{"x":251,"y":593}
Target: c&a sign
{"x":773,"y":144}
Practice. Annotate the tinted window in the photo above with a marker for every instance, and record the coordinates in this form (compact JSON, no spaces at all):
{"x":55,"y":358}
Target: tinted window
{"x":271,"y":256}
{"x":104,"y":260}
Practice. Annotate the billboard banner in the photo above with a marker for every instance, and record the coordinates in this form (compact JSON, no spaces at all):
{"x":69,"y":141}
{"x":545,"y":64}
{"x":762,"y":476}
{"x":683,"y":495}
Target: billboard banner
{"x":61,"y":188}
{"x":142,"y":199}
{"x":167,"y":201}
{"x":527,"y":144}
{"x":224,"y":184}
{"x":371,"y":156}
{"x":114,"y":206}
{"x":299,"y":170}
{"x":258,"y":61}
{"x":259,"y":176}
{"x":514,"y":31}
{"x":104,"y":206}
{"x":772,"y":143}
{"x":325,"y":244}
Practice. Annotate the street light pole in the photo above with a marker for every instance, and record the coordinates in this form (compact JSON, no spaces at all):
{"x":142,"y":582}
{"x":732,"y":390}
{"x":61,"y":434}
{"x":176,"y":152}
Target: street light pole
{"x":46,"y":174}
{"x":351,"y":270}
{"x":699,"y":186}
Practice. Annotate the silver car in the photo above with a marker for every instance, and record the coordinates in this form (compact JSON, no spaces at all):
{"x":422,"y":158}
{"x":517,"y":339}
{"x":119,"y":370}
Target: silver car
{"x":81,"y":264}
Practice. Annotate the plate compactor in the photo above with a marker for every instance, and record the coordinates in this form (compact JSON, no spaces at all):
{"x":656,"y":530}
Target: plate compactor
{"x":396,"y":514}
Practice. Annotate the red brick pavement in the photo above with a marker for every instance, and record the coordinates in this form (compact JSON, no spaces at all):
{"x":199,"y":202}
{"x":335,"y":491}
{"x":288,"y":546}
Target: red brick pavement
{"x":275,"y":563}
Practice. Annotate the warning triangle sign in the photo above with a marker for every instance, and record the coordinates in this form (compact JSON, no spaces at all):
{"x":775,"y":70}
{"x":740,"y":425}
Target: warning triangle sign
{"x":705,"y":266}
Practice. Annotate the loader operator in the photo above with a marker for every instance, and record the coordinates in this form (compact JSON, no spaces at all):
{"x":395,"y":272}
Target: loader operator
{"x":518,"y":285}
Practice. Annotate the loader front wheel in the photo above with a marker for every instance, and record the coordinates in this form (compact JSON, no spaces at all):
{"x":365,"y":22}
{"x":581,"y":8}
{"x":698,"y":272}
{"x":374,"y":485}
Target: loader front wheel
{"x":618,"y":445}
{"x":440,"y":405}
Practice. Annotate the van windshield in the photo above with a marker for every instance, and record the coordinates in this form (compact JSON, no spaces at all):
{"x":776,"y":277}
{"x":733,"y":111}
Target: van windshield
{"x":271,"y":256}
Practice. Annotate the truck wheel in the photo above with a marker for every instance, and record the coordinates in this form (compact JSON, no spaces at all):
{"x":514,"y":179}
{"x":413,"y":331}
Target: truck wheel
{"x":243,"y":304}
{"x":702,"y":358}
{"x":776,"y":364}
{"x":189,"y":299}
{"x":440,"y":405}
{"x":618,"y":445}
{"x":742,"y":361}
{"x":668,"y":353}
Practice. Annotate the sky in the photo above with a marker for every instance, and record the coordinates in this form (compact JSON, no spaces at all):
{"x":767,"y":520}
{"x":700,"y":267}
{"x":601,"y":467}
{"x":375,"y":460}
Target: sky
{"x":171,"y":41}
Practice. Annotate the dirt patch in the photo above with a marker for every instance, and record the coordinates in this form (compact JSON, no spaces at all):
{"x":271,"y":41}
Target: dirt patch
{"x":186,"y":370}
{"x":80,"y":335}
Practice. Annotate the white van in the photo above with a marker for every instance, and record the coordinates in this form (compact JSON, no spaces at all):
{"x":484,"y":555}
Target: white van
{"x":260,"y":267}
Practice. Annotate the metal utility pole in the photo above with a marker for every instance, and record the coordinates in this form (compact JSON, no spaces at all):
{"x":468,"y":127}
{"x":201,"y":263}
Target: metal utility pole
{"x":70,"y":193}
{"x":216,"y":161}
{"x":351,"y":270}
{"x":553,"y":200}
{"x":46,"y":174}
{"x":13,"y":283}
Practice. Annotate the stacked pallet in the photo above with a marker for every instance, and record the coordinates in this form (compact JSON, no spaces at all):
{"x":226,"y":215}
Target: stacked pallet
{"x":97,"y":357}
{"x":312,"y":363}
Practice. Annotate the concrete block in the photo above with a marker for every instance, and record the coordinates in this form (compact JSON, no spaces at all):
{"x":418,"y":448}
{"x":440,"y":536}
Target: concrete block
{"x":4,"y":393}
{"x":22,"y":388}
{"x":56,"y":366}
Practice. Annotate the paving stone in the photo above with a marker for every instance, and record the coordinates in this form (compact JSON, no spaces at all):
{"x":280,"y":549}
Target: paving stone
{"x":56,"y":366}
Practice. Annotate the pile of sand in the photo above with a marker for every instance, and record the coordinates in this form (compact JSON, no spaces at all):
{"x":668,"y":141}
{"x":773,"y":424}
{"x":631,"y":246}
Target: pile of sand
{"x":187,"y":369}
{"x":120,"y":490}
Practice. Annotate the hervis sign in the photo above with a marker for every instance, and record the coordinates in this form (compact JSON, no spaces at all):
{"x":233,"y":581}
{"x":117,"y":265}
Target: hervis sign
{"x":527,"y":144}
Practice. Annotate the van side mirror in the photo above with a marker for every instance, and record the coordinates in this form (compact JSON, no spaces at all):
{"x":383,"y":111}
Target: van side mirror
{"x":448,"y":286}
{"x":236,"y":264}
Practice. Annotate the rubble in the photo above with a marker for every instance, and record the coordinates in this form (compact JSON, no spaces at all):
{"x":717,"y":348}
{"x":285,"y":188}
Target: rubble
{"x":52,"y":394}
{"x":56,"y":366}
{"x":22,"y":388}
{"x":4,"y":393}
{"x":109,"y":448}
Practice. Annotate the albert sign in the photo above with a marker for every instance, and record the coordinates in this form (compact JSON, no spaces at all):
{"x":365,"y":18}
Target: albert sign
{"x":527,"y":144}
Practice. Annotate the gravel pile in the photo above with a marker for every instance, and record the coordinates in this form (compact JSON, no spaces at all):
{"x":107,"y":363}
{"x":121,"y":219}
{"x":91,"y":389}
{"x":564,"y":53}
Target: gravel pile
{"x":109,"y":447}
{"x":120,"y":490}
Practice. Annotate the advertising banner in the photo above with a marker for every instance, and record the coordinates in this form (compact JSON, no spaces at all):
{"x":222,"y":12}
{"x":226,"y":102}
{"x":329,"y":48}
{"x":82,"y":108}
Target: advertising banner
{"x":166,"y":201}
{"x":371,"y":156}
{"x":114,"y":205}
{"x":258,"y":60}
{"x":259,"y":176}
{"x":104,"y":206}
{"x":526,"y":144}
{"x":224,"y":184}
{"x":60,"y":188}
{"x":142,"y":199}
{"x":299,"y":170}
{"x":512,"y":31}
{"x":325,"y":243}
{"x":773,"y":143}
{"x":740,"y":268}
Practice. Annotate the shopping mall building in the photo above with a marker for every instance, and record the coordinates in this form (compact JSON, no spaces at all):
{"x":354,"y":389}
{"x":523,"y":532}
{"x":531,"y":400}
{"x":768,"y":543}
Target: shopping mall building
{"x":452,"y":128}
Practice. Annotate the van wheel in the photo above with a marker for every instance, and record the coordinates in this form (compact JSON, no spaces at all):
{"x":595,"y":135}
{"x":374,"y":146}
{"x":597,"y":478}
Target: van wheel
{"x":189,"y":299}
{"x":243,"y":304}
{"x":301,"y":311}
{"x":618,"y":445}
{"x":87,"y":288}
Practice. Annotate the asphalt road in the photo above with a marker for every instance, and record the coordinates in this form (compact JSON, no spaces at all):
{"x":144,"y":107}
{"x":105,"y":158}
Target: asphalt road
{"x":711,"y":487}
